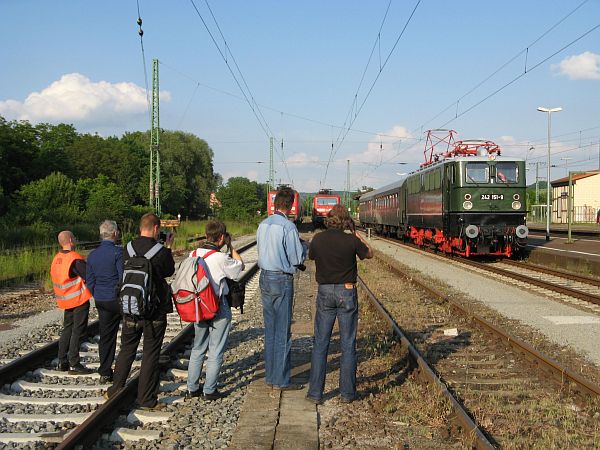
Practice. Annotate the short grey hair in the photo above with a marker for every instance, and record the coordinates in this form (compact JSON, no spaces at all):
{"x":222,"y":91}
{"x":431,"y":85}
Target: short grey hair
{"x":108,"y":229}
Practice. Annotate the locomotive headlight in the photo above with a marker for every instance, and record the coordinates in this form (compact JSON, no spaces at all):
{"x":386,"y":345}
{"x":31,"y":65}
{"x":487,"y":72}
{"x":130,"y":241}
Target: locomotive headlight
{"x":516,"y":197}
{"x":467,"y":196}
{"x":516,"y":205}
{"x":522,"y":231}
{"x":467,"y":205}
{"x":471,"y":231}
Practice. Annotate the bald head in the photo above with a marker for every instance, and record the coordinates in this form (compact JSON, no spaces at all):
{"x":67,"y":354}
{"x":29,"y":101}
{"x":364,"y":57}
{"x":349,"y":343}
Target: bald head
{"x":66,"y":239}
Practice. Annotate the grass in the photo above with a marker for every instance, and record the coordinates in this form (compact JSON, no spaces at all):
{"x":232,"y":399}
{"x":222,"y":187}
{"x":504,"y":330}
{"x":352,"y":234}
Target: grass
{"x":20,"y":265}
{"x":23,"y":265}
{"x":196,"y":228}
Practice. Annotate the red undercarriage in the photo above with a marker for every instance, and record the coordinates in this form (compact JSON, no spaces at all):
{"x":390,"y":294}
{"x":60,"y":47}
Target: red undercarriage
{"x":448,"y":244}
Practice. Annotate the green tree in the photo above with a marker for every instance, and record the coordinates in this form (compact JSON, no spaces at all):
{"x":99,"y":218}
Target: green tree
{"x":103,"y":199}
{"x":52,"y":199}
{"x":187,"y":176}
{"x":240,"y":199}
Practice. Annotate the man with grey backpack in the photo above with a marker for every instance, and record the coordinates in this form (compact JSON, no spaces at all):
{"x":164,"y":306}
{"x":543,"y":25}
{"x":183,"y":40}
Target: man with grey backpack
{"x":145,"y":300}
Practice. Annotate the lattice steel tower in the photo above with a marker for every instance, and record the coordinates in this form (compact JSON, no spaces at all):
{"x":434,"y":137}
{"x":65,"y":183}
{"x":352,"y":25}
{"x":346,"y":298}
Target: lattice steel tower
{"x":271,"y":167}
{"x":155,"y":142}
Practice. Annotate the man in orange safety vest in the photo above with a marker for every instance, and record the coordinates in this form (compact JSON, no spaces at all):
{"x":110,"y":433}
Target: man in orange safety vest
{"x":68,"y":278}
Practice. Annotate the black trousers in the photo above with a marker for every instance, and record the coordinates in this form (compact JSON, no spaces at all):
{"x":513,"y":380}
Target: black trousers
{"x":131,"y":333}
{"x":109,"y":313}
{"x":75,"y":322}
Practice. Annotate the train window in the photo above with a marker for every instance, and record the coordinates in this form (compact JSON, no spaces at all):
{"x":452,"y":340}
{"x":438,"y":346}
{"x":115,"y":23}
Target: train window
{"x":507,"y":172}
{"x":477,"y":172}
{"x":437,"y":179}
{"x":326,"y":201}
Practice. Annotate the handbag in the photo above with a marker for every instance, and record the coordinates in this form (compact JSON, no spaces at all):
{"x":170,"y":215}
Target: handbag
{"x":236,"y":295}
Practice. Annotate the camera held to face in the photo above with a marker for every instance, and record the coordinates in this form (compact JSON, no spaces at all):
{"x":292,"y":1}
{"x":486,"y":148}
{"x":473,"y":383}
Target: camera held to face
{"x":162,"y":237}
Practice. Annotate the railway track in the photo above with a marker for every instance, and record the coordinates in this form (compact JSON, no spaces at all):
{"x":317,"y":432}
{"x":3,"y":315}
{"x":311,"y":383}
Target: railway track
{"x":43,"y":407}
{"x":503,"y":392}
{"x":550,"y":282}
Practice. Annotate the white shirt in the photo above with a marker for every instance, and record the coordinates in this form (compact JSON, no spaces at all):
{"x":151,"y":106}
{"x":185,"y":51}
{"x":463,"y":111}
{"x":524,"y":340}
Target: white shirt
{"x":221,"y":266}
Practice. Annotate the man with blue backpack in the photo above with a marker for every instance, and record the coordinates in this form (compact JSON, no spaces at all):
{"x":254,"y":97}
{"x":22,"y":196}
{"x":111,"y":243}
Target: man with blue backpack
{"x":145,"y":299}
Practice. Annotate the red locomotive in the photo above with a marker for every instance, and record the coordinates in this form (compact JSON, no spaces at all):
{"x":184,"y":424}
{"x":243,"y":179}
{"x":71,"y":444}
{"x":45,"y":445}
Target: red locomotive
{"x":296,"y":212}
{"x":322,"y":204}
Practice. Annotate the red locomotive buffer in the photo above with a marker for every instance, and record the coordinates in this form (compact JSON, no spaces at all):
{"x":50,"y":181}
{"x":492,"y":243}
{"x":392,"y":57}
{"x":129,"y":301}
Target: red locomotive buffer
{"x":322,"y":204}
{"x":296,"y":212}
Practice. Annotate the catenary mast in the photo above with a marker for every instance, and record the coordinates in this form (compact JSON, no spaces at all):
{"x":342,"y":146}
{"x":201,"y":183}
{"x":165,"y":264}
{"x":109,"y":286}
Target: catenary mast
{"x":155,"y":143}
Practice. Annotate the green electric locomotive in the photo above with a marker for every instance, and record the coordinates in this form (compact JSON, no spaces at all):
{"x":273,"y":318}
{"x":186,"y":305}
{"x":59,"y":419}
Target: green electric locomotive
{"x":468,"y":200}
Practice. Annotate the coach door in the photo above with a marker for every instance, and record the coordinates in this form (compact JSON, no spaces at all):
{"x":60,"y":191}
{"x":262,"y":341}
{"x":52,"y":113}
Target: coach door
{"x":447,"y":184}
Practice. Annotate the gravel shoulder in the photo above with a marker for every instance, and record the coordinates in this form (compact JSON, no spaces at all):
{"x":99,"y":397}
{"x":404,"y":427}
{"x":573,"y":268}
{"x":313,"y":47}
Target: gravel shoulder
{"x":534,"y":318}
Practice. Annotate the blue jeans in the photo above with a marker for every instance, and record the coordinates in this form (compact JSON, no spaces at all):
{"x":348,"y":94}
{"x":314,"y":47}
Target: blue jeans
{"x":210,"y":335}
{"x":277,"y":291}
{"x":335,"y":300}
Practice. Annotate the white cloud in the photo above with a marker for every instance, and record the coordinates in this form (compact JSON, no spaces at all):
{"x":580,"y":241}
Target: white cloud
{"x":384,"y":148}
{"x":301,"y":159}
{"x":585,"y":66}
{"x":74,"y":98}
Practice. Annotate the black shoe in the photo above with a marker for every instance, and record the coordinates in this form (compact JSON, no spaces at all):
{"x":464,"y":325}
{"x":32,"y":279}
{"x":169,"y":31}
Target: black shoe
{"x":79,"y":369}
{"x":63,"y":367}
{"x":192,"y":394}
{"x":346,"y":400}
{"x":289,"y":387}
{"x":106,"y":379}
{"x":213,"y":396}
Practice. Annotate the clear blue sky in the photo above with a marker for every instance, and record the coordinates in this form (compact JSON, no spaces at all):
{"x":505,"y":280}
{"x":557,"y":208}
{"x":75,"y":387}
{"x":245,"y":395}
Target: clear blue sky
{"x":81,"y":62}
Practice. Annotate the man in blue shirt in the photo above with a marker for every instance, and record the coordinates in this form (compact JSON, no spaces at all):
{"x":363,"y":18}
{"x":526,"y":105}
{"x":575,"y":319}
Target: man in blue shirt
{"x":104,"y":272}
{"x":280,"y":253}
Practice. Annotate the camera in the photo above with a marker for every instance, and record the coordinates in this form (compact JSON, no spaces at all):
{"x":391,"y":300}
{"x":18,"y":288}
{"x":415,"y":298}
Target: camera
{"x":162,"y":237}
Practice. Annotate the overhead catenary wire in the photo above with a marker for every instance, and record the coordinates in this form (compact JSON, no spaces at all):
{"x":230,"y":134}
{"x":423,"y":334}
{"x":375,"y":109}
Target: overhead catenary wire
{"x":141,"y":34}
{"x":252,"y":104}
{"x":502,"y":66}
{"x":279,"y":111}
{"x":359,"y":109}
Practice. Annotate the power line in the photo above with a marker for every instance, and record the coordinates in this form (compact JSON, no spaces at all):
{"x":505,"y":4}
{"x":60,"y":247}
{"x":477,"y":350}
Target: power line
{"x":289,"y":114}
{"x":141,"y":33}
{"x":502,"y":66}
{"x":263,"y":126}
{"x":382,"y":66}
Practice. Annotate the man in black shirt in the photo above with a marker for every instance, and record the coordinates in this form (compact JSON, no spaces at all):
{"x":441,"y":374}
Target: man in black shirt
{"x":335,"y":252}
{"x":153,"y":328}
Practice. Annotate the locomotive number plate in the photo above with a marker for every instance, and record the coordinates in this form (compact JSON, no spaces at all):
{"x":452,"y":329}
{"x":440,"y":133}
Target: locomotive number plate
{"x":492,"y":196}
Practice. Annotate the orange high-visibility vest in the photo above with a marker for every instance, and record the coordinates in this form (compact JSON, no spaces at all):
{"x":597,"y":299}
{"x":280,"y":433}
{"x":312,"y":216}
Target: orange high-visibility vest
{"x":70,"y":292}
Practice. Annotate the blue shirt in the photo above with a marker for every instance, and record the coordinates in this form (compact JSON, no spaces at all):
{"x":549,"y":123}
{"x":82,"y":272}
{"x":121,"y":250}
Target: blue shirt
{"x":104,"y":271}
{"x":279,"y":246}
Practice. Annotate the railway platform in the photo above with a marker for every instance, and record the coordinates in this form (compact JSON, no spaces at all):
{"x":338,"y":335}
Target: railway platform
{"x":580,"y":255}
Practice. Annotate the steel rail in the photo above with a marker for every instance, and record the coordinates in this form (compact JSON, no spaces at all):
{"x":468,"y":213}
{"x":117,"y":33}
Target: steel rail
{"x":591,"y":298}
{"x":36,"y":357}
{"x":575,"y":293}
{"x":466,"y":424}
{"x":558,"y":371}
{"x":557,"y":273}
{"x":86,"y":434}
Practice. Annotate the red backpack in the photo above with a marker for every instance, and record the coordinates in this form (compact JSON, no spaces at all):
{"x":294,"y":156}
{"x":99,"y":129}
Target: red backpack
{"x":193,"y":294}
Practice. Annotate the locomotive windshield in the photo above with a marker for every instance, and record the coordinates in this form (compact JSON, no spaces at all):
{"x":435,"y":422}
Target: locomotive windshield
{"x":478,"y":172}
{"x":327,"y":201}
{"x":507,"y":172}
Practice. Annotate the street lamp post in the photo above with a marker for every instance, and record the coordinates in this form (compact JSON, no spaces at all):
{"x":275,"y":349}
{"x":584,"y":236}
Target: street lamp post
{"x":549,"y":111}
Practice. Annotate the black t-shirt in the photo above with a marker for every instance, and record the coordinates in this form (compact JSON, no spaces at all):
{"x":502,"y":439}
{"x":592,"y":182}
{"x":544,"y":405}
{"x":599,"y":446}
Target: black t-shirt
{"x":335,"y":255}
{"x":163,"y":266}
